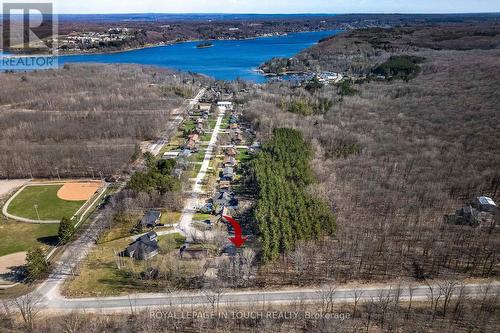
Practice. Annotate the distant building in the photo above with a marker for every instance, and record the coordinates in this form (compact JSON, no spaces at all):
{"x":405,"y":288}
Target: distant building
{"x":225,"y":104}
{"x":228,"y":174}
{"x":195,"y":137}
{"x":170,"y":155}
{"x":177,"y":173}
{"x":145,"y":247}
{"x":224,"y":185}
{"x":222,"y":199}
{"x":229,"y":161}
{"x":192,"y":254}
{"x":231,"y":152}
{"x":236,"y":138}
{"x":185,"y":153}
{"x":485,"y":204}
{"x":233,"y":119}
{"x":151,"y":219}
{"x":480,"y":213}
{"x":204,"y":106}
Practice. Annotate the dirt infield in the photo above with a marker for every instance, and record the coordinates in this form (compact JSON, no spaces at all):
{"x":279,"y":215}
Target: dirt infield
{"x":81,"y":191}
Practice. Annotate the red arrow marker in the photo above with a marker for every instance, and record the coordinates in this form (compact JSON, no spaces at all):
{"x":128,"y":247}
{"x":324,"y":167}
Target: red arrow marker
{"x":237,"y":240}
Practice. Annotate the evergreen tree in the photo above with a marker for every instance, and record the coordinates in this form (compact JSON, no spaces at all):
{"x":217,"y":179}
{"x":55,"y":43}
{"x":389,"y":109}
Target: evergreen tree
{"x":36,"y":264}
{"x":285,"y":211}
{"x":66,"y":230}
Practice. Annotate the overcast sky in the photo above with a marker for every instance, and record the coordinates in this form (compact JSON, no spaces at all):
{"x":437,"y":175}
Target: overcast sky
{"x":277,"y":6}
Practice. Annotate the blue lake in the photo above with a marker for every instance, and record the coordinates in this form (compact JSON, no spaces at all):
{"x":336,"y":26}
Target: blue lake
{"x":226,"y":60}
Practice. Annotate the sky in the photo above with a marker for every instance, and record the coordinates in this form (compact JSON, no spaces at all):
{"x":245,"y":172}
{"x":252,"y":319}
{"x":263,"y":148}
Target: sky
{"x":278,"y":6}
{"x":273,"y":6}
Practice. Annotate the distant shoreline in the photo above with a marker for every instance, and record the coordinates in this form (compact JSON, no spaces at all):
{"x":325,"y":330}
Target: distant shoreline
{"x":130,"y":49}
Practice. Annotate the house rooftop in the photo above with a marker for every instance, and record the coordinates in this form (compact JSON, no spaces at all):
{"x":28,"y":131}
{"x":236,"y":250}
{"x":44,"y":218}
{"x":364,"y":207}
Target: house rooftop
{"x":144,"y":247}
{"x":151,"y":218}
{"x":486,"y":201}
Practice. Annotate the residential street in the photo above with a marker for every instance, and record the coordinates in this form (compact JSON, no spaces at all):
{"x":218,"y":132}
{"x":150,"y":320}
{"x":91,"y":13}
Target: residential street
{"x":185,"y":224}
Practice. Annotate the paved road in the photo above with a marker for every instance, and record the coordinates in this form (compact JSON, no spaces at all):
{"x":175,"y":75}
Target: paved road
{"x":179,"y":114}
{"x":70,"y":258}
{"x":144,"y":301}
{"x":186,"y":220}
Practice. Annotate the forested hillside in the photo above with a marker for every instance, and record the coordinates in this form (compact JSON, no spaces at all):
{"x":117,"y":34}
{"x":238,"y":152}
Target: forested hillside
{"x":393,"y":157}
{"x":359,"y":51}
{"x":83,"y":118}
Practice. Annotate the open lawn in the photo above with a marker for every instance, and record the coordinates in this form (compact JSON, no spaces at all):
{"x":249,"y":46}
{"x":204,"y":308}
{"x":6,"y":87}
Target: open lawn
{"x":50,"y":207}
{"x":122,"y":225}
{"x":243,"y":156}
{"x":198,"y":157}
{"x":170,"y":217}
{"x":175,"y":143}
{"x":188,"y":126}
{"x":18,"y":236}
{"x":202,"y":217}
{"x":225,"y":122}
{"x":100,"y":276}
{"x":206,"y":137}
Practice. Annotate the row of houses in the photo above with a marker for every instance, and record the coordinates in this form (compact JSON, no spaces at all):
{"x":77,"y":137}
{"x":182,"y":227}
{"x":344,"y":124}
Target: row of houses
{"x":200,"y":115}
{"x":224,"y":198}
{"x":235,"y":131}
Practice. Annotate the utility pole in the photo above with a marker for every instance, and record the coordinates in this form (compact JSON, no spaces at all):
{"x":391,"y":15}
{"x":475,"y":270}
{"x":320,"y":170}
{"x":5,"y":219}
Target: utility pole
{"x":36,"y":210}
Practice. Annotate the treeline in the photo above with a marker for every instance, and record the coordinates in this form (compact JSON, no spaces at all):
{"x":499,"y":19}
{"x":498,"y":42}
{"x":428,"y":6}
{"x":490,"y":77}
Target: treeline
{"x":83,"y":118}
{"x":157,"y":177}
{"x":285,"y":211}
{"x":400,"y":67}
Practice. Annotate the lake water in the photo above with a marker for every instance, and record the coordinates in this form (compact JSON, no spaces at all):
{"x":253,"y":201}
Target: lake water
{"x":226,"y":60}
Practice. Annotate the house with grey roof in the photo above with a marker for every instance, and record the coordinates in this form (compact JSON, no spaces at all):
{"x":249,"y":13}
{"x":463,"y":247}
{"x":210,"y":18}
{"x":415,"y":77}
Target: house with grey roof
{"x":145,"y":247}
{"x":150,"y":219}
{"x":485,"y":204}
{"x":222,"y":198}
{"x":228,"y":174}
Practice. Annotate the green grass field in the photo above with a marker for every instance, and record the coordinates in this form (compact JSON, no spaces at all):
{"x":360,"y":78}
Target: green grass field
{"x":19,"y":237}
{"x":99,"y":275}
{"x":50,"y":207}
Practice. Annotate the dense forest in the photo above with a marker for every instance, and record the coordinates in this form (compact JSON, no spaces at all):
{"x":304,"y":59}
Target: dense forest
{"x":392,"y":157}
{"x":285,"y":211}
{"x":82,"y":119}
